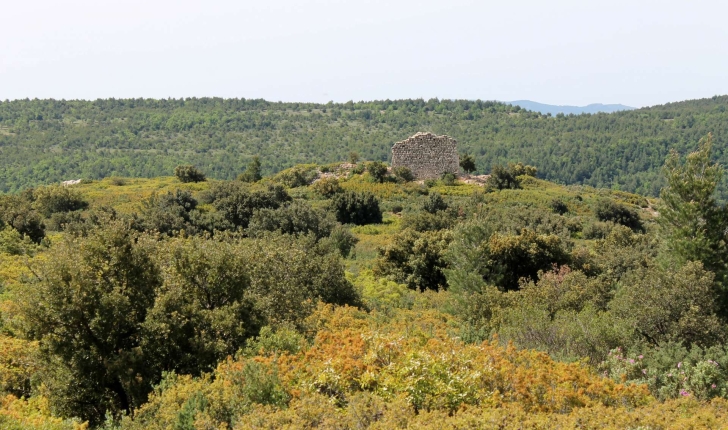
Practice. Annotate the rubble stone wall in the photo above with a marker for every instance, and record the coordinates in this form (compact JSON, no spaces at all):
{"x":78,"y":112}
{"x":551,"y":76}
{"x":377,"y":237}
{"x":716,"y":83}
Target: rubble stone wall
{"x":427,"y":155}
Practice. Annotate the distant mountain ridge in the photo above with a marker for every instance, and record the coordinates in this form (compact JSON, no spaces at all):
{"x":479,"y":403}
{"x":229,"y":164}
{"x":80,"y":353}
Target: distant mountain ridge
{"x":576,"y":110}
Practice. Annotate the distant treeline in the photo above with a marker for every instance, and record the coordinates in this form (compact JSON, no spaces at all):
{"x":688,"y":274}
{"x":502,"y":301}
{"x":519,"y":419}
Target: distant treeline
{"x":45,"y":141}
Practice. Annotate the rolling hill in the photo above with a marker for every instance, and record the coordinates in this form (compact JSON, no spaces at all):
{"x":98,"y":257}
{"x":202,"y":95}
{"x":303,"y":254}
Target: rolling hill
{"x":46,"y":141}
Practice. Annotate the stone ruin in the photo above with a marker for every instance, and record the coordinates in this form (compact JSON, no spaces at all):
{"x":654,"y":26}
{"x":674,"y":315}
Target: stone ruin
{"x":427,"y":155}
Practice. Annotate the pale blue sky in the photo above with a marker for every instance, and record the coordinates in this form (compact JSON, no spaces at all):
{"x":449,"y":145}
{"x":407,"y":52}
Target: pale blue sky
{"x":560,"y":52}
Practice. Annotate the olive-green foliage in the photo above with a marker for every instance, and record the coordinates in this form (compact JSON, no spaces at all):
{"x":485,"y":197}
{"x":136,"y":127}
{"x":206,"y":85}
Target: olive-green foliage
{"x":569,"y":335}
{"x":434,"y":203}
{"x":327,"y":187}
{"x":609,"y":210}
{"x":670,"y":305}
{"x":168,"y":213}
{"x":117,"y":181}
{"x":275,"y":341}
{"x":597,"y":229}
{"x":18,"y":213}
{"x":621,"y":252}
{"x":289,"y":275}
{"x":262,"y":385}
{"x":351,"y":207}
{"x":403,"y":173}
{"x":353,"y":157}
{"x":513,"y":257}
{"x":87,"y":307}
{"x":298,"y":176}
{"x":342,"y":240}
{"x":482,"y":255}
{"x":203,"y":312}
{"x":507,"y":177}
{"x":236,"y":203}
{"x":415,"y":259}
{"x":252,"y":172}
{"x":61,"y":221}
{"x":467,"y":163}
{"x":56,"y":198}
{"x":113,"y":308}
{"x":296,"y":218}
{"x":189,"y":173}
{"x":502,"y":178}
{"x":520,"y":169}
{"x":11,"y":241}
{"x":474,"y":273}
{"x":426,"y":221}
{"x":448,"y":178}
{"x":566,"y":289}
{"x":515,"y":217}
{"x":377,"y":170}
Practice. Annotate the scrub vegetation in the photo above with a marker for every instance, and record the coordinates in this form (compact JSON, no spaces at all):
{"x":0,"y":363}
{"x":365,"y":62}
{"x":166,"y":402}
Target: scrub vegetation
{"x":346,"y":295}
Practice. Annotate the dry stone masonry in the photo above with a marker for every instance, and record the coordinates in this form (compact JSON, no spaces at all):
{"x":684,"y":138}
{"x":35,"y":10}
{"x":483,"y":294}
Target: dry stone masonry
{"x":427,"y":155}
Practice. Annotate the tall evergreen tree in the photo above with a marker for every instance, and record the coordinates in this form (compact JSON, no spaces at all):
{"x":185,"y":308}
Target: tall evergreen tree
{"x":252,"y":172}
{"x":692,"y":223}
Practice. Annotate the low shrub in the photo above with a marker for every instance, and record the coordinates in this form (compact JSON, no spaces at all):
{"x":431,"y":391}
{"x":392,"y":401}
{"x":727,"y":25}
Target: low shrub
{"x":356,"y":208}
{"x":189,"y":173}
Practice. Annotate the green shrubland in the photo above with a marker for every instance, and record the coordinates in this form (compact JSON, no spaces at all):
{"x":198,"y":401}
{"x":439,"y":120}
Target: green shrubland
{"x":323,"y":297}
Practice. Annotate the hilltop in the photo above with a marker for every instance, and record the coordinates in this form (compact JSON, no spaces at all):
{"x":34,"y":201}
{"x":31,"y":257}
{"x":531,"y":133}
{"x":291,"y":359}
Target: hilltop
{"x":46,"y":141}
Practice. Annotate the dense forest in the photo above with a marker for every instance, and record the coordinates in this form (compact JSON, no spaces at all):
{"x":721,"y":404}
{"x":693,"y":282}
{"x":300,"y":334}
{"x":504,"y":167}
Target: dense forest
{"x":347,"y":296}
{"x":47,"y":141}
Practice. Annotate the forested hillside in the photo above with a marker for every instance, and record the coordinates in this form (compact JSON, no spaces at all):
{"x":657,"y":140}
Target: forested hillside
{"x":45,"y":141}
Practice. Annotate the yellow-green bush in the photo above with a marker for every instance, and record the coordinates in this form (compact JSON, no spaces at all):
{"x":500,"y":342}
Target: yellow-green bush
{"x":359,"y":363}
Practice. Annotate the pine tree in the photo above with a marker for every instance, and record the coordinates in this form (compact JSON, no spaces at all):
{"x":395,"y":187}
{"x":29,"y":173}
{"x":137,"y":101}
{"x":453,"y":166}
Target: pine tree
{"x":692,"y":223}
{"x":252,"y":172}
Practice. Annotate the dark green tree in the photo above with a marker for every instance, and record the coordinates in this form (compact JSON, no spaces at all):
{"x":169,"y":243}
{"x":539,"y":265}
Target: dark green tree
{"x":675,"y":304}
{"x":296,"y":218}
{"x":416,"y":259}
{"x":202,"y":313}
{"x":356,"y":208}
{"x":252,"y":172}
{"x":57,"y":198}
{"x":467,"y":163}
{"x":168,"y":213}
{"x":502,"y":178}
{"x":609,"y":210}
{"x":18,"y":213}
{"x":377,"y":170}
{"x":236,"y":203}
{"x":327,"y":187}
{"x":86,"y":307}
{"x":692,"y":223}
{"x":353,"y":157}
{"x":434,"y":203}
{"x":403,"y":173}
{"x":189,"y":173}
{"x":559,"y":206}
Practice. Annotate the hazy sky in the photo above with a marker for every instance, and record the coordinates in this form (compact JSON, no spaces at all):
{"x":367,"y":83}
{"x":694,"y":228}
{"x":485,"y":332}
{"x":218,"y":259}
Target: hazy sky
{"x":635,"y":52}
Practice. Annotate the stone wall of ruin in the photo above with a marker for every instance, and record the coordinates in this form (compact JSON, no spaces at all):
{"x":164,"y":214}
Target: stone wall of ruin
{"x":427,"y":155}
